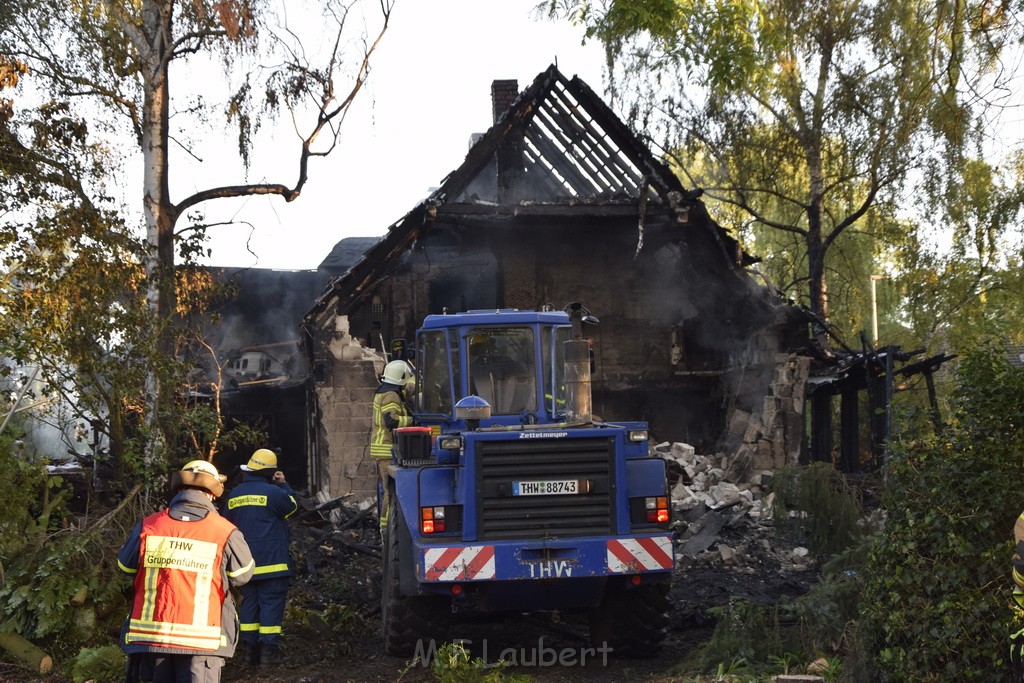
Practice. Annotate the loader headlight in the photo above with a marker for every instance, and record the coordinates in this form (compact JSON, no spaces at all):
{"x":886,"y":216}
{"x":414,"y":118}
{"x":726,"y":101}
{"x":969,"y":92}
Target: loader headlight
{"x":637,"y":435}
{"x":450,"y":443}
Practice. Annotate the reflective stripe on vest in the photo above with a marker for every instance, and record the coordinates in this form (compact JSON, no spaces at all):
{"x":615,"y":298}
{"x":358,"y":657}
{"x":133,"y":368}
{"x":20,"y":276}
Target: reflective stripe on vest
{"x":179,"y":586}
{"x":380,"y":439}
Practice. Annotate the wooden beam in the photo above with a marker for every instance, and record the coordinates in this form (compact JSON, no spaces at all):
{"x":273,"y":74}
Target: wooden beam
{"x":821,"y":427}
{"x":849,"y":430}
{"x":617,"y":210}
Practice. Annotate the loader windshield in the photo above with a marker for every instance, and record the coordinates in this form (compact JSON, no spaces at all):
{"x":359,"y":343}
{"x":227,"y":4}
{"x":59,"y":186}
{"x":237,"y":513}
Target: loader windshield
{"x":502,"y":368}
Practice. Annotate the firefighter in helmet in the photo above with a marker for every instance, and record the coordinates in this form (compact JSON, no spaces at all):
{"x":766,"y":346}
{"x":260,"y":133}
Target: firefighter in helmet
{"x":182,"y":622}
{"x":260,"y":506}
{"x":391,"y":410}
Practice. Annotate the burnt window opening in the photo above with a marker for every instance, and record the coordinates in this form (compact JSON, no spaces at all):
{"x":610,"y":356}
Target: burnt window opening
{"x":370,"y":323}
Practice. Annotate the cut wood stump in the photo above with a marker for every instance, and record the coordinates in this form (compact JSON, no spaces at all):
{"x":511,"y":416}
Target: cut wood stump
{"x":38,"y":661}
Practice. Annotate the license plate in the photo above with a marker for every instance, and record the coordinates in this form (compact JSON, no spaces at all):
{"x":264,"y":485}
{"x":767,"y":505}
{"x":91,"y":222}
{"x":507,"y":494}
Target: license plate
{"x":545,"y":488}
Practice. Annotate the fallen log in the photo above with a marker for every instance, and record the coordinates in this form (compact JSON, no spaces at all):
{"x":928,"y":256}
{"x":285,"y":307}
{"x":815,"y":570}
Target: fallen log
{"x":37,"y":660}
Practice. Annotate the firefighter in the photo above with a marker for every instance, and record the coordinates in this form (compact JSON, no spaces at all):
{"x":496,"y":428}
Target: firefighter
{"x":1017,"y":639}
{"x":182,"y":622}
{"x":391,"y":410}
{"x":259,"y":507}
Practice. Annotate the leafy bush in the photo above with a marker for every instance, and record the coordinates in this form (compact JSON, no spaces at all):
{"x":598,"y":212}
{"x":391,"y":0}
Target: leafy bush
{"x":745,"y":633}
{"x":938,"y":579}
{"x":828,"y":509}
{"x":20,"y":489}
{"x":99,"y":664}
{"x":56,"y":576}
{"x":454,"y":664}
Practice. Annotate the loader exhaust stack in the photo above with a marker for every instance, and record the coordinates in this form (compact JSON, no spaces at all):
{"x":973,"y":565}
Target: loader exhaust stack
{"x":578,"y":392}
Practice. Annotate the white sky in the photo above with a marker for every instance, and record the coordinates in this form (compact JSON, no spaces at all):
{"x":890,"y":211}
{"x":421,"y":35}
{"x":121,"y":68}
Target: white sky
{"x":430,"y":89}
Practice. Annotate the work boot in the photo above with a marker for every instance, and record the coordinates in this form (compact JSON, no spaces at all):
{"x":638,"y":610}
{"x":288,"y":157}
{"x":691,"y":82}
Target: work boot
{"x":251,"y":655}
{"x":270,"y":655}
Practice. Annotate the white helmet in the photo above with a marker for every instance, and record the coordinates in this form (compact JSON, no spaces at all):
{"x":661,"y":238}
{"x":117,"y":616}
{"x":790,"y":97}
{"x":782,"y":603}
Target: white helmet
{"x":199,"y":474}
{"x":397,"y":372}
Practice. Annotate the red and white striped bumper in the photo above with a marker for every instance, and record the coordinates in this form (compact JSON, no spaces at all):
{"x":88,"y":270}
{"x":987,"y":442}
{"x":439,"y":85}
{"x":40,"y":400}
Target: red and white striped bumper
{"x":466,"y":563}
{"x":509,"y":561}
{"x":632,"y":555}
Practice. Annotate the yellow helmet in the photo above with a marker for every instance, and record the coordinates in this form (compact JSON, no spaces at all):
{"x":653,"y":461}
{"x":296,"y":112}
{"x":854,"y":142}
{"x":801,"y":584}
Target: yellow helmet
{"x":199,"y":474}
{"x":262,"y":459}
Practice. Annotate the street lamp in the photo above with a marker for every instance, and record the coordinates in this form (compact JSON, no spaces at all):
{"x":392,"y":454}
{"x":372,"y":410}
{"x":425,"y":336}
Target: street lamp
{"x":874,"y":309}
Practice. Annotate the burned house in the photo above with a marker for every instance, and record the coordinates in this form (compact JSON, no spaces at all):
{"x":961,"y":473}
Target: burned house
{"x":253,"y":362}
{"x":559,"y":202}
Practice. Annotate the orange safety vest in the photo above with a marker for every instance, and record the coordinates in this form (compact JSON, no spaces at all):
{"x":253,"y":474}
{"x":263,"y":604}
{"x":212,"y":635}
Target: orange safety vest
{"x":179,"y":589}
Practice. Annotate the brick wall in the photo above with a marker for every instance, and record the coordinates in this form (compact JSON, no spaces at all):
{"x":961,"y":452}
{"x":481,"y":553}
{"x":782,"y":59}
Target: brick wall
{"x":503,"y":94}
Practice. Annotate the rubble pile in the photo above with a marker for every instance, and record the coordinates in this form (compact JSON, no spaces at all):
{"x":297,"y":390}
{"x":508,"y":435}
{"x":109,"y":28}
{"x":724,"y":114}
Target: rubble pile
{"x":722,"y":521}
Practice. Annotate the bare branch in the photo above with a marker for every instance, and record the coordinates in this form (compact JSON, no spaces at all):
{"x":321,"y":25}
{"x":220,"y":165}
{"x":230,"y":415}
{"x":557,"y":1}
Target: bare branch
{"x":327,"y":117}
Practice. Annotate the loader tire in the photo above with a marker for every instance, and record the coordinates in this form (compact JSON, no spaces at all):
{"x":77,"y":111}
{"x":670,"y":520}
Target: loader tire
{"x":633,"y":623}
{"x":408,"y":623}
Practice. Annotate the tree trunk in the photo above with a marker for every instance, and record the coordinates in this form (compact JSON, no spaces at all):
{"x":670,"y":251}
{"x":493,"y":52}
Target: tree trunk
{"x":37,"y":660}
{"x":816,"y":272}
{"x":160,"y":216}
{"x":812,"y":139}
{"x":158,"y":210}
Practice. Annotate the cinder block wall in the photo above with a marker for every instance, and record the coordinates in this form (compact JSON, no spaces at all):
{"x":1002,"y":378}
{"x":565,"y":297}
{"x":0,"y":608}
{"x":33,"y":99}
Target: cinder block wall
{"x":345,"y":399}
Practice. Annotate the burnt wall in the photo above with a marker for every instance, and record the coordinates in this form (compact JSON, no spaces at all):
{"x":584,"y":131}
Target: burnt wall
{"x":346,"y":375}
{"x":683,"y":339}
{"x":280,"y":411}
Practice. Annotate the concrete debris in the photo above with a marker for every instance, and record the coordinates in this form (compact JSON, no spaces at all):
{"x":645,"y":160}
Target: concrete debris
{"x":701,"y":535}
{"x":723,"y":519}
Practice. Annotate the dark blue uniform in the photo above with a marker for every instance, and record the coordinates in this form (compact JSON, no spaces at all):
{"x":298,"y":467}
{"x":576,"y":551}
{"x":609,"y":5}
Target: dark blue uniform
{"x":259,"y":509}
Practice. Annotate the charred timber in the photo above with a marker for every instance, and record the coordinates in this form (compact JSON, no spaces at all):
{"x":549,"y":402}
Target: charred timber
{"x":610,"y":210}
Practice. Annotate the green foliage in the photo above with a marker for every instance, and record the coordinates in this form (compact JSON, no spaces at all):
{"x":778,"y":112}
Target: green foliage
{"x":56,"y":579}
{"x":825,"y":506}
{"x":42,"y":582}
{"x":937,"y":583}
{"x":814,"y":126}
{"x":99,"y":664}
{"x":751,"y":641}
{"x":745,"y":633}
{"x":58,"y":582}
{"x":19,"y":489}
{"x":454,"y":664}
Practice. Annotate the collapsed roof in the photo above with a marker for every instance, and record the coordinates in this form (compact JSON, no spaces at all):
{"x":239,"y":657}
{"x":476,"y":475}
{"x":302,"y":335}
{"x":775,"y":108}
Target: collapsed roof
{"x":557,"y":151}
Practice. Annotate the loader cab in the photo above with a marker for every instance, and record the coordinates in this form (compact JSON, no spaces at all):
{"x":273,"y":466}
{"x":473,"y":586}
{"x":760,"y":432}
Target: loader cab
{"x":511,"y":359}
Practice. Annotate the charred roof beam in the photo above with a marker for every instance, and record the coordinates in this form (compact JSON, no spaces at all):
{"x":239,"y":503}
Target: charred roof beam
{"x":585,"y":128}
{"x":580,"y":184}
{"x":576,"y":151}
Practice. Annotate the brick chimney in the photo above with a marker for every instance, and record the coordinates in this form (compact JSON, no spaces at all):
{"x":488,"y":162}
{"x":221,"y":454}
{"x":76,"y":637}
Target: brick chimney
{"x":503,"y":94}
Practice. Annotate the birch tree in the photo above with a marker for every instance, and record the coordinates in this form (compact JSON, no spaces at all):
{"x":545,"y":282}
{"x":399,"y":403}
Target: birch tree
{"x":145,"y":80}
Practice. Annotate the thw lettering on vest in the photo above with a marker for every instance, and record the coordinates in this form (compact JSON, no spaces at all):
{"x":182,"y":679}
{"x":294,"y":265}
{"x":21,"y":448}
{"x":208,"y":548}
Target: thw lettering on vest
{"x":247,"y":500}
{"x":168,"y":552}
